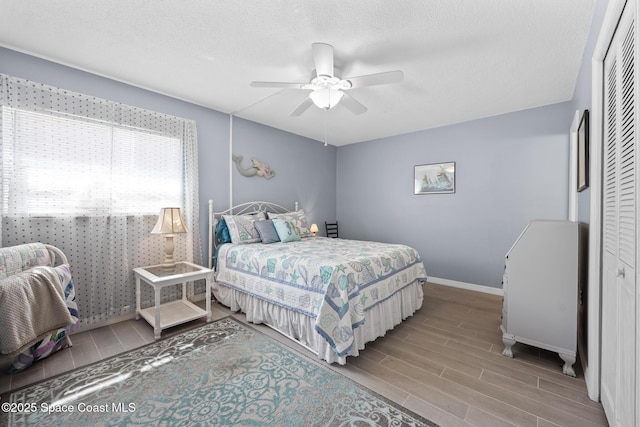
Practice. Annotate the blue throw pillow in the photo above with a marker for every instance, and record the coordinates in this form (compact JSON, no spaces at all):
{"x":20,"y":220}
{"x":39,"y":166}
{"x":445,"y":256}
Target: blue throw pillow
{"x":286,"y":230}
{"x":267,"y":231}
{"x":222,"y":232}
{"x":299,"y":220}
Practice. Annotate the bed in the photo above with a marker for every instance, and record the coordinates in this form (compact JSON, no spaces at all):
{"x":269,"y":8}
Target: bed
{"x":330,"y":295}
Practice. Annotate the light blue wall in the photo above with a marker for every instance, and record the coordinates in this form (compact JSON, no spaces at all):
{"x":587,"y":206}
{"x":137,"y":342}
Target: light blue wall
{"x":510,"y":169}
{"x":309,"y":182}
{"x":305,"y":170}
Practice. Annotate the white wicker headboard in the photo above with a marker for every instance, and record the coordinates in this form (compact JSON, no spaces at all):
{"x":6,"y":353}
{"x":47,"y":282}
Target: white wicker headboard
{"x":241,"y":209}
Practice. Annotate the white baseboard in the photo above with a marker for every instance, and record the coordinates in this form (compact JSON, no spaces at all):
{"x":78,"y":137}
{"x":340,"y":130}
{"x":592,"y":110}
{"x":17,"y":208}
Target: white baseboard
{"x":464,"y":285}
{"x":115,"y":319}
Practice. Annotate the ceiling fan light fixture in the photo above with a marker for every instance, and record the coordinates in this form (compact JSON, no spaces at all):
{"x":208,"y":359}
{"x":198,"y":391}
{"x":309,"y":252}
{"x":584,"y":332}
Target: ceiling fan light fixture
{"x":326,"y":98}
{"x":327,"y":89}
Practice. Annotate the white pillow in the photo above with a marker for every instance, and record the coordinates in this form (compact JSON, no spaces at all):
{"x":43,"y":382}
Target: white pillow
{"x":241,"y":227}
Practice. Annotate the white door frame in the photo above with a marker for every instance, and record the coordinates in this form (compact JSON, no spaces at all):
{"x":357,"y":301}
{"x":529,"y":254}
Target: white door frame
{"x":592,"y":372}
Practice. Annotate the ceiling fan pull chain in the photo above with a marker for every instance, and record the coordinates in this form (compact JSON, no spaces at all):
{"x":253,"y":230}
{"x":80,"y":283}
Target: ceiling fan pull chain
{"x":326,"y":126}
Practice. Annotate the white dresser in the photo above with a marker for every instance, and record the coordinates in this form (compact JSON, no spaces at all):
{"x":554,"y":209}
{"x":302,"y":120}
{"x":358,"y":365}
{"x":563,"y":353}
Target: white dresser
{"x":540,"y":286}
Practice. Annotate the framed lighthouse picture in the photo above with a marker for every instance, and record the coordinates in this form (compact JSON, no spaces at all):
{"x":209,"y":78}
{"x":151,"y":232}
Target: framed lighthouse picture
{"x":434,"y":178}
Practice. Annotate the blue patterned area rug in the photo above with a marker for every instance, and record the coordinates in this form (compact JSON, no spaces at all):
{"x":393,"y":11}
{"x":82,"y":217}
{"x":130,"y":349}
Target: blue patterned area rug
{"x":221,"y":374}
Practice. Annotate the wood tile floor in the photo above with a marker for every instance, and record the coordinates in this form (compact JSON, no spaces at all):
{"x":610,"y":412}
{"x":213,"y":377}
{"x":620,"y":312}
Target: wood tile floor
{"x":444,"y":363}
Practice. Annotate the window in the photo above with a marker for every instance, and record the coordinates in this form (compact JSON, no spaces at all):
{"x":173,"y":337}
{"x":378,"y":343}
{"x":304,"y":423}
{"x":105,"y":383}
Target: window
{"x":56,"y":164}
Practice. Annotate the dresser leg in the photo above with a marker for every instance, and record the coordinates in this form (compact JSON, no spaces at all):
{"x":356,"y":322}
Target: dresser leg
{"x":508,"y":340}
{"x":569,"y":360}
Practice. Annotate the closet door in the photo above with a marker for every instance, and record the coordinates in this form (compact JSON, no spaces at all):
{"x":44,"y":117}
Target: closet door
{"x":619,"y":294}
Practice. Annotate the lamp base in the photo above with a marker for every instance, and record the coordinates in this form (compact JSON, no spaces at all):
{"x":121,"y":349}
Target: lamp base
{"x":169,"y":263}
{"x":169,"y":267}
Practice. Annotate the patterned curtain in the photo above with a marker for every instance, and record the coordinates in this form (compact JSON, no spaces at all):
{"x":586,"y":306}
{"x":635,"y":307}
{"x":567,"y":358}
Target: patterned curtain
{"x":89,"y":176}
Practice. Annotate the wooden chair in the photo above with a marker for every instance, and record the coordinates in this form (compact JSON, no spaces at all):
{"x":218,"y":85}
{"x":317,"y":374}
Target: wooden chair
{"x":331,"y":228}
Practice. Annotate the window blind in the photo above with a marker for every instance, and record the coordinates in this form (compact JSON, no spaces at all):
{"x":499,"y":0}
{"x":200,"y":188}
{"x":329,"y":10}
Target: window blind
{"x":56,"y":165}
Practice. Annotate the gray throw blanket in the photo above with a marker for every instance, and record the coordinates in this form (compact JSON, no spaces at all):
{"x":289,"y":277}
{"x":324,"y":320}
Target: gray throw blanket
{"x":31,"y":306}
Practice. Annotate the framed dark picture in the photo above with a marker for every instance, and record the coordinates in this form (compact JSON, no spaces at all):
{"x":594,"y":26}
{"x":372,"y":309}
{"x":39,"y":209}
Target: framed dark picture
{"x":436,"y":178}
{"x":583,"y":152}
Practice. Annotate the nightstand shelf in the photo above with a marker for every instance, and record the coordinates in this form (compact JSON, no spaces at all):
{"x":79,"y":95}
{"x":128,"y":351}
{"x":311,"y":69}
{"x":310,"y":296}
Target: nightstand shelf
{"x":163,"y":316}
{"x":173,"y":313}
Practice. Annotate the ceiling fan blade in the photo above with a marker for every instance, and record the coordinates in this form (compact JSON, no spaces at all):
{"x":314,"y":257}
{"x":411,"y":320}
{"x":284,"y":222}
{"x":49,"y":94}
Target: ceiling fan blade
{"x":323,"y":59}
{"x":287,"y":85}
{"x":352,"y":104}
{"x":302,"y":107}
{"x":376,"y":79}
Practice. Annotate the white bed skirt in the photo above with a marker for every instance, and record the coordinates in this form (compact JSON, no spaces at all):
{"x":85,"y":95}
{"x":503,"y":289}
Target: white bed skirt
{"x":378,"y":320}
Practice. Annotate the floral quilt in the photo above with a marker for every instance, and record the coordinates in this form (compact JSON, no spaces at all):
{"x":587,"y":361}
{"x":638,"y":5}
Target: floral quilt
{"x":334,"y":281}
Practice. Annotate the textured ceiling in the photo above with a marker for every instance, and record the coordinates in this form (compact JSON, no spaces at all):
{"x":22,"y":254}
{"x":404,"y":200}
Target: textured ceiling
{"x":462,"y":59}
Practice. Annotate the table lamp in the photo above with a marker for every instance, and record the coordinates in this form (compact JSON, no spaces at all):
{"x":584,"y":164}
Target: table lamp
{"x":170,"y":222}
{"x":313,"y":229}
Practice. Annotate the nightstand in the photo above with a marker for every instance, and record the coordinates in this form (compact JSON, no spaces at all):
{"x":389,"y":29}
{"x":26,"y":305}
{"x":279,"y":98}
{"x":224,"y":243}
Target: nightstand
{"x":162,"y":316}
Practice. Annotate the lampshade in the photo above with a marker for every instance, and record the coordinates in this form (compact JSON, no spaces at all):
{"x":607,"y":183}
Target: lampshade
{"x":313,"y":229}
{"x":326,"y":98}
{"x":169,"y":222}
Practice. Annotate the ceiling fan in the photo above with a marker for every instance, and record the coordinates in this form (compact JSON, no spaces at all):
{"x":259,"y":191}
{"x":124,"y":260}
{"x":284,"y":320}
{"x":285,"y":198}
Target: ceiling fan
{"x":327,"y":89}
